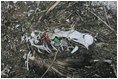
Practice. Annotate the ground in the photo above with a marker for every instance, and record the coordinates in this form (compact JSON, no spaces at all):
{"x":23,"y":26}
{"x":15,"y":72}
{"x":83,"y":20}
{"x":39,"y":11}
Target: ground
{"x":21,"y":18}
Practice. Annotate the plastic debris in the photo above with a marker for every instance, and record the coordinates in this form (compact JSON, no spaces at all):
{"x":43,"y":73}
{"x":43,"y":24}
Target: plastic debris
{"x":61,"y":44}
{"x":74,"y":50}
{"x":56,"y":40}
{"x":82,"y":38}
{"x":46,"y":38}
{"x":6,"y":70}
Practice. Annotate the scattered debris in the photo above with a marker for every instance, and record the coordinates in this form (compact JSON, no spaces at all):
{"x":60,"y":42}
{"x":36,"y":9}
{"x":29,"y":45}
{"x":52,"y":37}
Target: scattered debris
{"x":6,"y":70}
{"x":56,"y":40}
{"x":104,"y":23}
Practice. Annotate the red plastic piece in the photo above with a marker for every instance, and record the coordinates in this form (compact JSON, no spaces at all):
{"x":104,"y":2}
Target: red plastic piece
{"x":46,"y":38}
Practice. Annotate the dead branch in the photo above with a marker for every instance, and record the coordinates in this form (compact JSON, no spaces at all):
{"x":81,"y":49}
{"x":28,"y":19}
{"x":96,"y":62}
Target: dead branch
{"x":50,"y":65}
{"x":52,"y":7}
{"x":57,"y":71}
{"x":106,"y":14}
{"x":104,"y":22}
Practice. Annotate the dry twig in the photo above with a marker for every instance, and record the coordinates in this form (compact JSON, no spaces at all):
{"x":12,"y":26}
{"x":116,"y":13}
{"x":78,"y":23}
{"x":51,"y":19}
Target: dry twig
{"x":104,"y":23}
{"x":57,"y":71}
{"x":52,"y":7}
{"x":106,"y":14}
{"x":50,"y":65}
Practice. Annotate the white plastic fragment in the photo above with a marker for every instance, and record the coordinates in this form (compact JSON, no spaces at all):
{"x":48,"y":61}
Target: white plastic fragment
{"x":82,"y":38}
{"x":74,"y":50}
